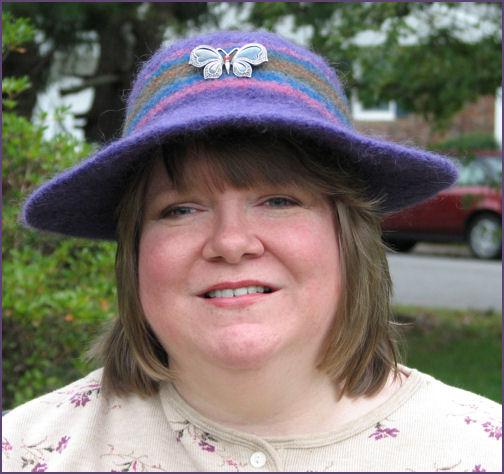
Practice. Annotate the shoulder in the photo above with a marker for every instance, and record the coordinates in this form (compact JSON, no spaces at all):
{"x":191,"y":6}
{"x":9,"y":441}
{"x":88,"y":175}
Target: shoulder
{"x":76,"y":428}
{"x":33,"y":431}
{"x":451,"y":427}
{"x":77,"y":394}
{"x":441,"y":398}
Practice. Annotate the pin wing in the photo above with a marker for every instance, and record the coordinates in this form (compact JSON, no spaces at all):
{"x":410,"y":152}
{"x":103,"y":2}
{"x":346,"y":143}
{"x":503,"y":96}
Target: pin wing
{"x":208,"y":57}
{"x":247,"y":56}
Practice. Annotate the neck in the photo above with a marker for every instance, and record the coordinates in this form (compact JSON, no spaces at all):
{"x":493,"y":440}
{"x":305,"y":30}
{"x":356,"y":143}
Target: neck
{"x":272,"y":402}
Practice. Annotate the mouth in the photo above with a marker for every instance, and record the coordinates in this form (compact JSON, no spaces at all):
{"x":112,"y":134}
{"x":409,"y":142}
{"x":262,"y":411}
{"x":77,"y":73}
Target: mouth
{"x":233,"y":292}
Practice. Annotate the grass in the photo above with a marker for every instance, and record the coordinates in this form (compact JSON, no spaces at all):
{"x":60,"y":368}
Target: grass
{"x":462,"y":348}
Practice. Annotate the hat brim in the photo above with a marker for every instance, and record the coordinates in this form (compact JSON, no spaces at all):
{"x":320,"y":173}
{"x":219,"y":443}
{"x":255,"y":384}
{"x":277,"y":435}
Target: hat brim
{"x":81,"y":202}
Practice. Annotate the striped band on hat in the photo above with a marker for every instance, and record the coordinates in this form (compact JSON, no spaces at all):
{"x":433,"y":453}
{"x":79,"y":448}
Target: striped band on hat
{"x":289,"y":74}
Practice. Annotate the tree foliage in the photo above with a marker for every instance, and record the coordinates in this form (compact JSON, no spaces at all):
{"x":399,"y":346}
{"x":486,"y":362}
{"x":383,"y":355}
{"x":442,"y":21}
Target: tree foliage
{"x":125,"y":32}
{"x":56,"y":291}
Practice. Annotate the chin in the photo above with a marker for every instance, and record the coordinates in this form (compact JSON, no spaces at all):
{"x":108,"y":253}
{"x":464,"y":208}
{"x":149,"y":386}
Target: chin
{"x":244,"y":348}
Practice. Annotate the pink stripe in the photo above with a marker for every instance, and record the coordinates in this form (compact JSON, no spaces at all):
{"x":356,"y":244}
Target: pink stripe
{"x":215,"y":85}
{"x":178,"y":54}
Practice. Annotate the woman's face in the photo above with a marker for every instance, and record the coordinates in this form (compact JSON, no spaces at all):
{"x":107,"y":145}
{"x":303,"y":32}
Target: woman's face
{"x":237,"y":278}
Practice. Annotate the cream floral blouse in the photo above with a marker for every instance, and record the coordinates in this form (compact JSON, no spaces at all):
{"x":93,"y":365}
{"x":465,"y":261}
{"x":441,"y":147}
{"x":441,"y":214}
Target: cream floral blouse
{"x":425,"y":426}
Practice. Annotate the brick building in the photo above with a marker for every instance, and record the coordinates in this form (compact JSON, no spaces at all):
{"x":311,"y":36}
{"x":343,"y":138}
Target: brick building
{"x":483,"y":116}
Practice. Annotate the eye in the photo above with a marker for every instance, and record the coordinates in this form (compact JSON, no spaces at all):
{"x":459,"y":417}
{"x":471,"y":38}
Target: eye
{"x":176,"y":211}
{"x":281,"y":201}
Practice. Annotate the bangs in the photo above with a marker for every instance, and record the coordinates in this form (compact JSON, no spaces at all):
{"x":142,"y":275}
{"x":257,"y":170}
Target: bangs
{"x":240,"y":160}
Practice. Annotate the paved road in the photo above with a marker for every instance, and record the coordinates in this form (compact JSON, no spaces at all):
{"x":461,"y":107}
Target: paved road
{"x":437,"y":281}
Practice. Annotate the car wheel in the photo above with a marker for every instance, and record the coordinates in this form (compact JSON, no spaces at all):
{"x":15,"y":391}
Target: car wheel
{"x":400,"y":245}
{"x":485,"y":236}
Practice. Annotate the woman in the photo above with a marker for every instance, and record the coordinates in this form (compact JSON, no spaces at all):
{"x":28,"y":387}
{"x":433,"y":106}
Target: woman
{"x":253,"y":287}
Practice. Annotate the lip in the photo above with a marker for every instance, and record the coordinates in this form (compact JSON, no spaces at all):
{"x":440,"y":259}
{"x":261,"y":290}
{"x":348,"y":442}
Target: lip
{"x":238,"y":284}
{"x":237,"y":301}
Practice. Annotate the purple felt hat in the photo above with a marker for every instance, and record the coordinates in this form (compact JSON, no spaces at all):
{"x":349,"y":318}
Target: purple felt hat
{"x":235,"y":80}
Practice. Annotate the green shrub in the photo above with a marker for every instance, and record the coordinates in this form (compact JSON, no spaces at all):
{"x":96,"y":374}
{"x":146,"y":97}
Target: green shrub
{"x":57,"y":292}
{"x":15,"y":32}
{"x":467,"y":142}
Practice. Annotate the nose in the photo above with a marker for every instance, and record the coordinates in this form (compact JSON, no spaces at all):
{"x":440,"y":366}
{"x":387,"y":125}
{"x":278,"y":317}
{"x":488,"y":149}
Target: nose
{"x":232,"y":238}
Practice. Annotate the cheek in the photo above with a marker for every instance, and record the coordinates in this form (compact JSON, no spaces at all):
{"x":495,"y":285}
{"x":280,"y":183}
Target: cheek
{"x":162,"y":253}
{"x":314,"y":253}
{"x":161,"y":260}
{"x":316,"y":268}
{"x":161,"y":266}
{"x":152,"y":264}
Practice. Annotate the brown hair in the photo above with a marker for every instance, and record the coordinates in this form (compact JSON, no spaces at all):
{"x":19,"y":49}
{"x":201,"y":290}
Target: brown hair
{"x":361,"y":350}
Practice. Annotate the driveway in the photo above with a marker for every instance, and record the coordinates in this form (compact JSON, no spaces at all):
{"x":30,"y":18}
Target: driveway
{"x":431,"y":280}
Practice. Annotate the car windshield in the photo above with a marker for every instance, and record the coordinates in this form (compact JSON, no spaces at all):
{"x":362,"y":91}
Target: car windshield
{"x":495,"y":164}
{"x":480,"y":171}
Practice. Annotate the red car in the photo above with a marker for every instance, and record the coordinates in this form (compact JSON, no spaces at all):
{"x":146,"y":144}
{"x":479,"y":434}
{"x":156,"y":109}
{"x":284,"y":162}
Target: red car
{"x":469,"y":211}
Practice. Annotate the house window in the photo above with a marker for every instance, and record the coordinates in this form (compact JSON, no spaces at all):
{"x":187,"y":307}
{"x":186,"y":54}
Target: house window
{"x":384,"y":112}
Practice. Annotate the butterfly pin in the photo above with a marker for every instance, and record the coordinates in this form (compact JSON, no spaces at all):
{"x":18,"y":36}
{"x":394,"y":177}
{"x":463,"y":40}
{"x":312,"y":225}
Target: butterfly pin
{"x":251,"y":54}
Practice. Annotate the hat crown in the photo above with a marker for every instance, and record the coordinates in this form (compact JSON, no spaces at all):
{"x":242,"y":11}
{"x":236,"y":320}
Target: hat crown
{"x":292,"y":73}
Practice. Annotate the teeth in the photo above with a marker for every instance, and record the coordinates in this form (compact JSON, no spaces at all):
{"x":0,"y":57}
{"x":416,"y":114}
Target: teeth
{"x":229,"y":293}
{"x":240,"y":291}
